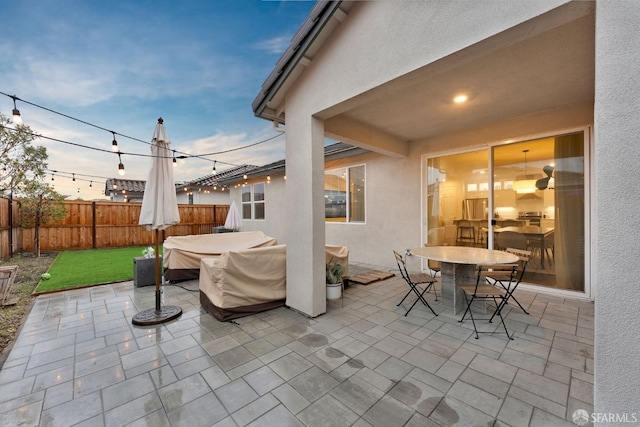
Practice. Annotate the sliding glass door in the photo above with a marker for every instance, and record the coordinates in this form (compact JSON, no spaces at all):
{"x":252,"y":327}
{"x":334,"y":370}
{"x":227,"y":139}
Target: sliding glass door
{"x":529,"y":194}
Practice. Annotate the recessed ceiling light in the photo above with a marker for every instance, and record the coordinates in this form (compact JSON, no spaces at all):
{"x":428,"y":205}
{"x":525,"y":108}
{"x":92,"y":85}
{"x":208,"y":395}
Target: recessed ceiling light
{"x":460,"y":99}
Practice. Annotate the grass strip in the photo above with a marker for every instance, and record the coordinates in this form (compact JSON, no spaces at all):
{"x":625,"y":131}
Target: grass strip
{"x":73,"y":269}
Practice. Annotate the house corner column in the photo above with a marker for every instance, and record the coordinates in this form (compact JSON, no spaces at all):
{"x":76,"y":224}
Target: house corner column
{"x":305,"y":214}
{"x":616,"y":172}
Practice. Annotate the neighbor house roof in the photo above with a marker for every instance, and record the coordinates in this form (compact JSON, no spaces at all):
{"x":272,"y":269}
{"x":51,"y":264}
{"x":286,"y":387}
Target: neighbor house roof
{"x":331,"y":152}
{"x":301,"y":51}
{"x":217,"y":179}
{"x":129,"y":185}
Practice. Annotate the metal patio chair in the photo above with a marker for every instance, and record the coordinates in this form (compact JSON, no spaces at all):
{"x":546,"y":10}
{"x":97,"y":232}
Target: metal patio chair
{"x":511,"y":287}
{"x":414,"y":280}
{"x":483,"y":291}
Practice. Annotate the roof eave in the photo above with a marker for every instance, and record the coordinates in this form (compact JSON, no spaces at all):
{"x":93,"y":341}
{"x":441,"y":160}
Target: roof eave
{"x":292,"y":59}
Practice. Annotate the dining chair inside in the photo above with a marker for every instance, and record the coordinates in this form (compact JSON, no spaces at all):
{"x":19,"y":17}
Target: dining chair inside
{"x":511,"y":239}
{"x":510,"y":287}
{"x":483,"y":291}
{"x":414,"y":281}
{"x":466,"y":233}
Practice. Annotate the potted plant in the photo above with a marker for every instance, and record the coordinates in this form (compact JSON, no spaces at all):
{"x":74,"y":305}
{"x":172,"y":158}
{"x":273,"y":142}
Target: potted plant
{"x":335,"y":270}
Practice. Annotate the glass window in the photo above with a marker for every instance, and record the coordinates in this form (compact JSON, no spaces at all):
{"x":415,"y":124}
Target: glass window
{"x":246,"y":202}
{"x":342,"y":202}
{"x":356,"y":194}
{"x":258,"y":201}
{"x":546,"y":197}
{"x":537,"y":194}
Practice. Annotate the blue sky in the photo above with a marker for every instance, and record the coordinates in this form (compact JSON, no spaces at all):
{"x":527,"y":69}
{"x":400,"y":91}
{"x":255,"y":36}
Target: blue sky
{"x":122,"y":64}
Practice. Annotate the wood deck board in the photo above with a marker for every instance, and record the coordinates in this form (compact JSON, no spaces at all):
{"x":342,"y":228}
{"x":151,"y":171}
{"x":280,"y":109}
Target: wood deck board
{"x":370,"y":277}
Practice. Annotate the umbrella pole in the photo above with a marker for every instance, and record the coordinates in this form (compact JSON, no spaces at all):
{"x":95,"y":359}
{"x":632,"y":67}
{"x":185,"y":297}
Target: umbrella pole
{"x":158,"y":309}
{"x":159,"y":314}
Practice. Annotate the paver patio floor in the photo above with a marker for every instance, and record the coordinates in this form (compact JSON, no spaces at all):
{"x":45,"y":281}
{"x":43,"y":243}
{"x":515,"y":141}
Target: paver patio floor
{"x":79,"y":361}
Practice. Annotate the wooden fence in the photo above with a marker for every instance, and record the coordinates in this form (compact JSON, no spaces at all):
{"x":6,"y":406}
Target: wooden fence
{"x":94,"y":225}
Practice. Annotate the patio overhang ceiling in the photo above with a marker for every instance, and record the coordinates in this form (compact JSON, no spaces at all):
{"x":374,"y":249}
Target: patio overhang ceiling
{"x":544,"y":64}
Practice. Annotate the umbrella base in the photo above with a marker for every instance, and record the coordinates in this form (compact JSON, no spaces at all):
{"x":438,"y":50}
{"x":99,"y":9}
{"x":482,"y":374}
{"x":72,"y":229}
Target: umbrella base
{"x":153,"y":317}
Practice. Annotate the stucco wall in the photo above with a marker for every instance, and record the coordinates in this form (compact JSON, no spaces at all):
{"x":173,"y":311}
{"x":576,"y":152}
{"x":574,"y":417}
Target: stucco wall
{"x":369,"y":49}
{"x":204,"y":198}
{"x":617,"y":130}
{"x":274,"y":223}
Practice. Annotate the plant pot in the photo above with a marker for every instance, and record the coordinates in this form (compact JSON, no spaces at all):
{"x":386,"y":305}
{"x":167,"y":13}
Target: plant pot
{"x":334,"y":291}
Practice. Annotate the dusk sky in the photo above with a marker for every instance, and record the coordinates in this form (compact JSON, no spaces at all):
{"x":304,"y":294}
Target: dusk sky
{"x":122,"y":64}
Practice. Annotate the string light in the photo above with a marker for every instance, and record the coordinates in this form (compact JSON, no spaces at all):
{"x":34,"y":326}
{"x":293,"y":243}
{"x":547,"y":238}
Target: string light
{"x":114,"y":143}
{"x":74,"y":177}
{"x":120,"y":166}
{"x":17,"y":118}
{"x":186,"y":155}
{"x":121,"y":170}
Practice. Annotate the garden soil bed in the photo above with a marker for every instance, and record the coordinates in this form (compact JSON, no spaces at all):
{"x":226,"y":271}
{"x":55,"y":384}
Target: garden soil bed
{"x":12,"y":316}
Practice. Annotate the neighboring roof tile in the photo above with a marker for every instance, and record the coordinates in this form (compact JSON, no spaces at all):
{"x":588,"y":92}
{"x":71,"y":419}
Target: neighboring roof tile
{"x":211,"y":179}
{"x":130,"y":185}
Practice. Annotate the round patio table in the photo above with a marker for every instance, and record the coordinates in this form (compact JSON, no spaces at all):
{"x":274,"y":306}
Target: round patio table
{"x":459,"y":267}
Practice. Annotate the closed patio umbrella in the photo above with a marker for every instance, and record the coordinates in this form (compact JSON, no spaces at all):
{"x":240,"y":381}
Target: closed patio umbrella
{"x":159,"y":211}
{"x":233,"y":220}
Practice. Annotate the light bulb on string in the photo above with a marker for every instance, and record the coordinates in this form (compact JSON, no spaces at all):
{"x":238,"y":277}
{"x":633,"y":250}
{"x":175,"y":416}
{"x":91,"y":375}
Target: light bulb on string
{"x":52,"y":178}
{"x":114,"y":143}
{"x":175,"y":162}
{"x":17,"y":118}
{"x":90,"y":184}
{"x":74,"y":176}
{"x":214,"y":167}
{"x":120,"y":166}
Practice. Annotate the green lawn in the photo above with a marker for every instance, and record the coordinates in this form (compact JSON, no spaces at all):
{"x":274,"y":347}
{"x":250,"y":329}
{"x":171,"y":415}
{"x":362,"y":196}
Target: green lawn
{"x":73,"y":269}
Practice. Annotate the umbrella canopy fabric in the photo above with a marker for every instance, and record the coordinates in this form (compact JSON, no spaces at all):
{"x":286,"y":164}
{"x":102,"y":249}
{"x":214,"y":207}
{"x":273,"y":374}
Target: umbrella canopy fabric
{"x":159,"y":203}
{"x":233,"y":221}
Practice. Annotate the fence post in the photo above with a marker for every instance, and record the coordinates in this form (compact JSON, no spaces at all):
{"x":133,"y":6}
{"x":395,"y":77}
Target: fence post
{"x":93,"y":224}
{"x":11,"y":224}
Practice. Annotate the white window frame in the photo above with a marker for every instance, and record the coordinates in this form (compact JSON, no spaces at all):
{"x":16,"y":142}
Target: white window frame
{"x":348,"y":193}
{"x":258,"y":202}
{"x":244,"y":203}
{"x":252,"y":202}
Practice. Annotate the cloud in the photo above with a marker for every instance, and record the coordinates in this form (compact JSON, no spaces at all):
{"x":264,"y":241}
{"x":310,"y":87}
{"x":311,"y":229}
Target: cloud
{"x":192,"y":168}
{"x":276,"y":45}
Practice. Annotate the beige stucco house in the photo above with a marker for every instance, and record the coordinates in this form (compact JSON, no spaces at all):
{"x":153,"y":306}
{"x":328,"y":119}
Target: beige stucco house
{"x":551,"y":88}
